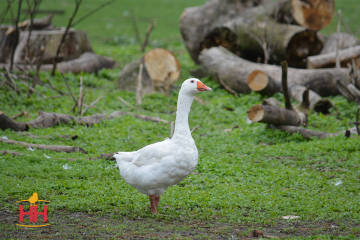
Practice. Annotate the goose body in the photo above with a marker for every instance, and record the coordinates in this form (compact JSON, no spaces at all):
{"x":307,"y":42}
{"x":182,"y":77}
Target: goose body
{"x":154,"y":168}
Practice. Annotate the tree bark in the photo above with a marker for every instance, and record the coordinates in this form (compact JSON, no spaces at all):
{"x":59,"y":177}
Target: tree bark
{"x":161,"y":70}
{"x":55,"y":148}
{"x":45,"y":120}
{"x":76,"y":43}
{"x":87,"y":62}
{"x":234,"y":71}
{"x":196,"y":22}
{"x":38,"y":23}
{"x":350,"y":92}
{"x":276,"y":115}
{"x":246,"y":34}
{"x":313,"y":14}
{"x":317,"y":103}
{"x":328,"y":60}
{"x":308,"y":134}
{"x":345,"y":41}
{"x":260,"y":82}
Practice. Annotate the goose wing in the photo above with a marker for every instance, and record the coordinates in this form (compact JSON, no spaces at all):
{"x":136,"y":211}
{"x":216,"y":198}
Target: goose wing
{"x":147,"y":155}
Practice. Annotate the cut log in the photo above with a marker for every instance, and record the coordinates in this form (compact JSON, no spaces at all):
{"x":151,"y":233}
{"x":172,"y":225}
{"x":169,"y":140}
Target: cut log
{"x":308,"y":134}
{"x":196,"y":22}
{"x":328,"y":60}
{"x":350,"y":92}
{"x":55,"y":148}
{"x":259,"y":82}
{"x":161,"y":70}
{"x":45,"y":120}
{"x":38,"y":23}
{"x":276,"y":115}
{"x":317,"y":103}
{"x":345,"y":41}
{"x":242,"y":34}
{"x":87,"y":62}
{"x":234,"y":71}
{"x":313,"y":14}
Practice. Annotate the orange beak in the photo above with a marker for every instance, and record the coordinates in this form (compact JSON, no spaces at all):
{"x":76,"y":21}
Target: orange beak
{"x":202,"y":87}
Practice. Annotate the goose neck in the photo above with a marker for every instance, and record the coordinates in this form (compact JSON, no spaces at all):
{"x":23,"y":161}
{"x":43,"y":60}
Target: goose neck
{"x":183,"y":109}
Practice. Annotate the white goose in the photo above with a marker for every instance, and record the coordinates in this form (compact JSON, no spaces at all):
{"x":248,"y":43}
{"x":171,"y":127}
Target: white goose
{"x":154,"y":168}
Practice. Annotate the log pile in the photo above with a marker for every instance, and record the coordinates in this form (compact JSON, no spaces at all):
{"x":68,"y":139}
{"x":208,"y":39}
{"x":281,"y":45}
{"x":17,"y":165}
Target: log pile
{"x":240,"y":45}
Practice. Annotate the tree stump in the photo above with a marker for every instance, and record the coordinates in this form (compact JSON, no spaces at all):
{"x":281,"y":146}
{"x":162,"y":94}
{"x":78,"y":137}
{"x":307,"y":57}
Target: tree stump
{"x":161,"y":70}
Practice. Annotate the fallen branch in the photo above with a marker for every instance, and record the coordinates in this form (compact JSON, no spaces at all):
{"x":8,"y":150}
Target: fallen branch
{"x":46,"y":119}
{"x":23,"y":113}
{"x":227,"y":87}
{"x":55,"y":148}
{"x":91,"y":105}
{"x":72,"y":137}
{"x":195,"y":128}
{"x":308,"y":134}
{"x":80,"y":98}
{"x":106,"y":156}
{"x":199,"y":100}
{"x":128,"y":104}
{"x":139,"y":86}
{"x":357,"y":121}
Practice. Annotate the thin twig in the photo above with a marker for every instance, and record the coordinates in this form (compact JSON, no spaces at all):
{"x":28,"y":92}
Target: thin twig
{"x":128,"y":104}
{"x":57,"y":96}
{"x":56,"y":58}
{"x":16,"y":40}
{"x":11,"y":11}
{"x":195,"y":128}
{"x":32,"y":89}
{"x":80,"y":96}
{"x":172,"y":129}
{"x":22,"y":113}
{"x":284,"y":68}
{"x":91,"y":105}
{"x":148,"y":32}
{"x":67,"y":84}
{"x":16,"y":90}
{"x":357,"y":121}
{"x":227,"y":87}
{"x":137,"y":34}
{"x":338,"y":40}
{"x":31,"y":11}
{"x":92,"y":12}
{"x":139,"y":86}
{"x":199,"y":100}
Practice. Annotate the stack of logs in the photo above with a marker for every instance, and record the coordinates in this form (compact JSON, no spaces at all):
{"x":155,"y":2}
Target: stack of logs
{"x":230,"y":38}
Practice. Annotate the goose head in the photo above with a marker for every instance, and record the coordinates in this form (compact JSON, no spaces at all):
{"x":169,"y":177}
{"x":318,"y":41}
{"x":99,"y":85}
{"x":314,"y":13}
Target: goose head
{"x":193,"y":86}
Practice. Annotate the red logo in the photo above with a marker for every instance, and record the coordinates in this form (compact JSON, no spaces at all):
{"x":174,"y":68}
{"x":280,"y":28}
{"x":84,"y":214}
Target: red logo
{"x":33,"y":213}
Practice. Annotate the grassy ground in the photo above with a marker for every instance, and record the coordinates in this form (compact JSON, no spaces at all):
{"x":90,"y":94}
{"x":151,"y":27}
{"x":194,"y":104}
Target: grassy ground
{"x":246,"y":179}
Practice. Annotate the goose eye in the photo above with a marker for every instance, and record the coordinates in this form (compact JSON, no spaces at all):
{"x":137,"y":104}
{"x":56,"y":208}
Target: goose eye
{"x":192,"y":81}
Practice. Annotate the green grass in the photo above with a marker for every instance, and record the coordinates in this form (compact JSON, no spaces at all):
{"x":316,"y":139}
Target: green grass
{"x":250,"y":176}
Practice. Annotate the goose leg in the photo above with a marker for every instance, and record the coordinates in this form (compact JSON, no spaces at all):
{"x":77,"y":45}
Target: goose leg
{"x":153,"y":206}
{"x":157,"y":200}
